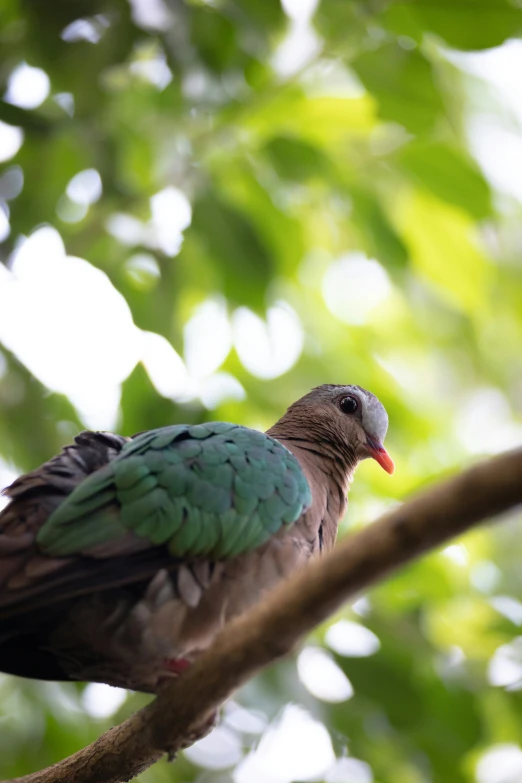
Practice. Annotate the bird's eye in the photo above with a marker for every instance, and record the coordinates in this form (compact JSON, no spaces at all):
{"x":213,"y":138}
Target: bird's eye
{"x":349,"y":404}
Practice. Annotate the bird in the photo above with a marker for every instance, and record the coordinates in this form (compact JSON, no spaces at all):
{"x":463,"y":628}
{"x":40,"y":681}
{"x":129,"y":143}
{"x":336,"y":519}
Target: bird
{"x":122,"y":558}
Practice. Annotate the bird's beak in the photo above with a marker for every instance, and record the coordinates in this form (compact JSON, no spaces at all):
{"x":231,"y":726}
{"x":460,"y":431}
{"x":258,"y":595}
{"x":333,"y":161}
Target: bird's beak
{"x":379,"y":454}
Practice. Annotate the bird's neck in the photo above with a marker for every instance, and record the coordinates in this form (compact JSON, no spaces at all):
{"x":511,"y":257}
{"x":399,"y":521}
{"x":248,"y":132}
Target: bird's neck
{"x":333,"y":460}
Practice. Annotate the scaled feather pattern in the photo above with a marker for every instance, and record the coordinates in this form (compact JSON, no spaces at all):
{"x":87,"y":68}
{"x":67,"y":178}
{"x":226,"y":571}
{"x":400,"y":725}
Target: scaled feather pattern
{"x":213,"y":489}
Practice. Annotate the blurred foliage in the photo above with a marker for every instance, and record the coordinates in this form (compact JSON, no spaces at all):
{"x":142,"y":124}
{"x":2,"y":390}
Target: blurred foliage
{"x":304,"y":146}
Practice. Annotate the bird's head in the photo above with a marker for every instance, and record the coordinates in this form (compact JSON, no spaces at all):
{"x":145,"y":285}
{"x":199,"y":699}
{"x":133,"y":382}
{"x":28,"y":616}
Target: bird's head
{"x":349,"y":417}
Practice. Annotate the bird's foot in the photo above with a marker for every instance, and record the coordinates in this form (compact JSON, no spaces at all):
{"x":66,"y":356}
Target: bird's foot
{"x":171,"y":668}
{"x":176,"y":665}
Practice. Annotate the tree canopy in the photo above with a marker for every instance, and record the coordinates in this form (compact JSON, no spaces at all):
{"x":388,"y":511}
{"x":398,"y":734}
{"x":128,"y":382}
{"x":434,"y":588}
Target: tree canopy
{"x":207,"y":208}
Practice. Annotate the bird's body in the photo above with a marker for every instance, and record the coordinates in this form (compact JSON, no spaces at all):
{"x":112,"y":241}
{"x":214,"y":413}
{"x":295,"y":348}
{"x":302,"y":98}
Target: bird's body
{"x":121,"y":559}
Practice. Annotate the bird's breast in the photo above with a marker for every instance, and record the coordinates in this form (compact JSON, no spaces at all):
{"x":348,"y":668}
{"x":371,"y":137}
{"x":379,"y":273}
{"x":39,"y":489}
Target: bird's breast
{"x":136,"y":641}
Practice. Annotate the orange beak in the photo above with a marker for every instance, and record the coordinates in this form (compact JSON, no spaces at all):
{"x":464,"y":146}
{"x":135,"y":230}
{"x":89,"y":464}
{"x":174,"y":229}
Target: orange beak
{"x":379,"y":454}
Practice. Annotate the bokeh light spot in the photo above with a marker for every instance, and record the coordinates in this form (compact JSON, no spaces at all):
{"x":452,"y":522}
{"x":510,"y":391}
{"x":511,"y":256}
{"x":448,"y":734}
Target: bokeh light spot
{"x":322,"y":676}
{"x":268,"y":349}
{"x":351,"y":639}
{"x":11,"y":139}
{"x":295,"y":747}
{"x":354,"y":286}
{"x":27,"y":87}
{"x":80,"y":340}
{"x":85,"y":187}
{"x":349,"y":770}
{"x":219,"y":750}
{"x":102,"y":701}
{"x":500,"y":764}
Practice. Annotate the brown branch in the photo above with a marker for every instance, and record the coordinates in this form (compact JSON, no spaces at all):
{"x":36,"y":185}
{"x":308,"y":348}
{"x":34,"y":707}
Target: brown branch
{"x":273,"y":628}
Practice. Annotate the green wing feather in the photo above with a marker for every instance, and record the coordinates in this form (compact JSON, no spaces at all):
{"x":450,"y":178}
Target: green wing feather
{"x":213,"y":489}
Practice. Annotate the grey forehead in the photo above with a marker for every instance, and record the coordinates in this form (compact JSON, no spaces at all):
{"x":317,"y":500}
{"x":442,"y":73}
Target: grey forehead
{"x":374,"y":416}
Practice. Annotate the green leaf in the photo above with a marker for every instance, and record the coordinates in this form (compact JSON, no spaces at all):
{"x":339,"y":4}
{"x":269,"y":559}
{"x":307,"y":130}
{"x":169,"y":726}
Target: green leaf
{"x":214,"y":36}
{"x":141,"y":403}
{"x":444,"y":251}
{"x":321,"y":120}
{"x":265,"y":15}
{"x":34,"y":423}
{"x":448,"y":174}
{"x":464,"y":24}
{"x":236,"y":248}
{"x":382,"y":241}
{"x":402,"y":82}
{"x":296,"y":159}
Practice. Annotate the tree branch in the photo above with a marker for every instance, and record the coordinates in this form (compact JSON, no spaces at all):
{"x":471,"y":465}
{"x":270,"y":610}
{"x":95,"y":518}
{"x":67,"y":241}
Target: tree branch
{"x":275,"y":626}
